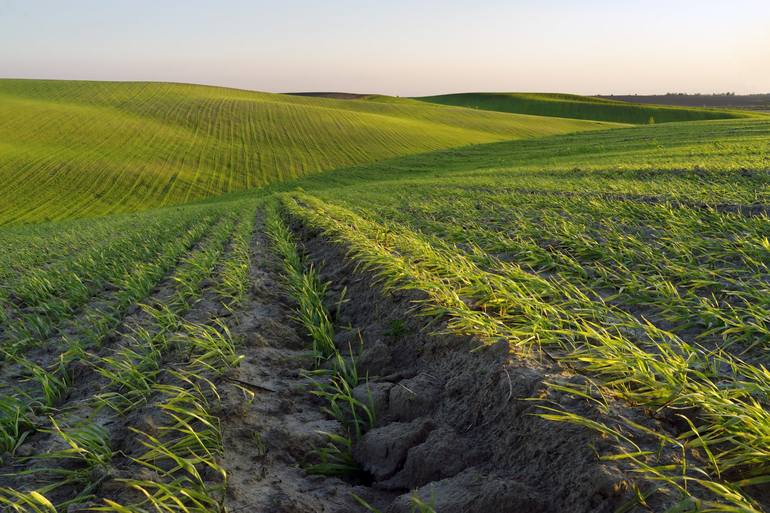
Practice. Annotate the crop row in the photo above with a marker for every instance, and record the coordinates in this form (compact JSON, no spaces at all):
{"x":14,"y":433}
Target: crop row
{"x":334,"y":375}
{"x":43,"y":298}
{"x":46,"y":385}
{"x":722,"y":399}
{"x":54,"y":382}
{"x":130,"y":374}
{"x":183,"y":453}
{"x":702,"y":273}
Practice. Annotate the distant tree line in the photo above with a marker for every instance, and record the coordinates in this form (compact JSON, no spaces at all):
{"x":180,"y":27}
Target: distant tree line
{"x":700,"y":94}
{"x":681,"y":94}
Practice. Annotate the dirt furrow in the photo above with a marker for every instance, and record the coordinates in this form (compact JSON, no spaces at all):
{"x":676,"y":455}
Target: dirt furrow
{"x":268,"y":439}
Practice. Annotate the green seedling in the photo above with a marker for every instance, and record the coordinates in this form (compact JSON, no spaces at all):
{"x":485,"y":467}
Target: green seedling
{"x":396,"y":328}
{"x":15,"y":423}
{"x":25,"y":502}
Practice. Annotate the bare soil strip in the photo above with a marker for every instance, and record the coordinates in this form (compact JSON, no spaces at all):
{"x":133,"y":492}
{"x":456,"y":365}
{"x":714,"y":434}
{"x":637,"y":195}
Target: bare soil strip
{"x":267,"y":441}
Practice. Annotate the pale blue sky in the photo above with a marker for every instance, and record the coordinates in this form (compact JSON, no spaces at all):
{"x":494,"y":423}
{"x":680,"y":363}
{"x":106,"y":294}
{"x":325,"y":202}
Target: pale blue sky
{"x":396,"y":46}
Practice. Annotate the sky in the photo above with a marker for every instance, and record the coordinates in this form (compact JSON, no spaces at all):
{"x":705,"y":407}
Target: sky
{"x":397,"y":47}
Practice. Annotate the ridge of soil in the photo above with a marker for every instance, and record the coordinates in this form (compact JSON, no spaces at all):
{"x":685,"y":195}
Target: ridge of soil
{"x":456,"y":422}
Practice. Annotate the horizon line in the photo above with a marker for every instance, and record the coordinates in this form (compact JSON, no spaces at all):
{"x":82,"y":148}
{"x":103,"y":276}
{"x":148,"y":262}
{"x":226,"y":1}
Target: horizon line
{"x":239,"y":88}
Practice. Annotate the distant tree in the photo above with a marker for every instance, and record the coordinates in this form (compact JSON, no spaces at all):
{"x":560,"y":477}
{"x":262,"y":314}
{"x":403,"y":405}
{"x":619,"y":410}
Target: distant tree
{"x":651,"y":121}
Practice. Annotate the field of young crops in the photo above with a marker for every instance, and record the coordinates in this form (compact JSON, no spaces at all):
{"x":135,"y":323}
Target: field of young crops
{"x":646,"y":285}
{"x":712,"y":161}
{"x":581,"y":107}
{"x":544,"y":322}
{"x":95,"y":336}
{"x":74,"y":149}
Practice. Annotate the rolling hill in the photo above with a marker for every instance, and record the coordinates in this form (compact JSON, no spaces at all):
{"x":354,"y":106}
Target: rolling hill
{"x":77,"y":148}
{"x":716,"y":162}
{"x":578,"y":107}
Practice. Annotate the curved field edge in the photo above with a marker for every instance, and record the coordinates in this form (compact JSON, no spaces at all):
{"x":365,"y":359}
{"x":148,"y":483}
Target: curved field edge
{"x":581,"y":107}
{"x":80,"y":149}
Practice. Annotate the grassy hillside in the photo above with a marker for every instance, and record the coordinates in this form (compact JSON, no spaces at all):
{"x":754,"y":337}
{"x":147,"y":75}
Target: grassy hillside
{"x":578,"y":107}
{"x":709,"y":161}
{"x":71,"y":149}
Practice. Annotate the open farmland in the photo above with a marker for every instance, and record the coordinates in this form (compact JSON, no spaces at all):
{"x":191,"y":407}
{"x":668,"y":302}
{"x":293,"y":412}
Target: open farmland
{"x":102,"y":147}
{"x":395,"y":306}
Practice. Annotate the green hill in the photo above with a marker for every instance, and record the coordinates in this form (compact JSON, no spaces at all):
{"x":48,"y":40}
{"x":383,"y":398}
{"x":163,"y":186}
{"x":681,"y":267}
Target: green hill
{"x":74,"y":148}
{"x":579,"y":107}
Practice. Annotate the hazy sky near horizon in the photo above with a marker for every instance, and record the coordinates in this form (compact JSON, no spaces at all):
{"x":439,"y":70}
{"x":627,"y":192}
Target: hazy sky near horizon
{"x":399,"y":47}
